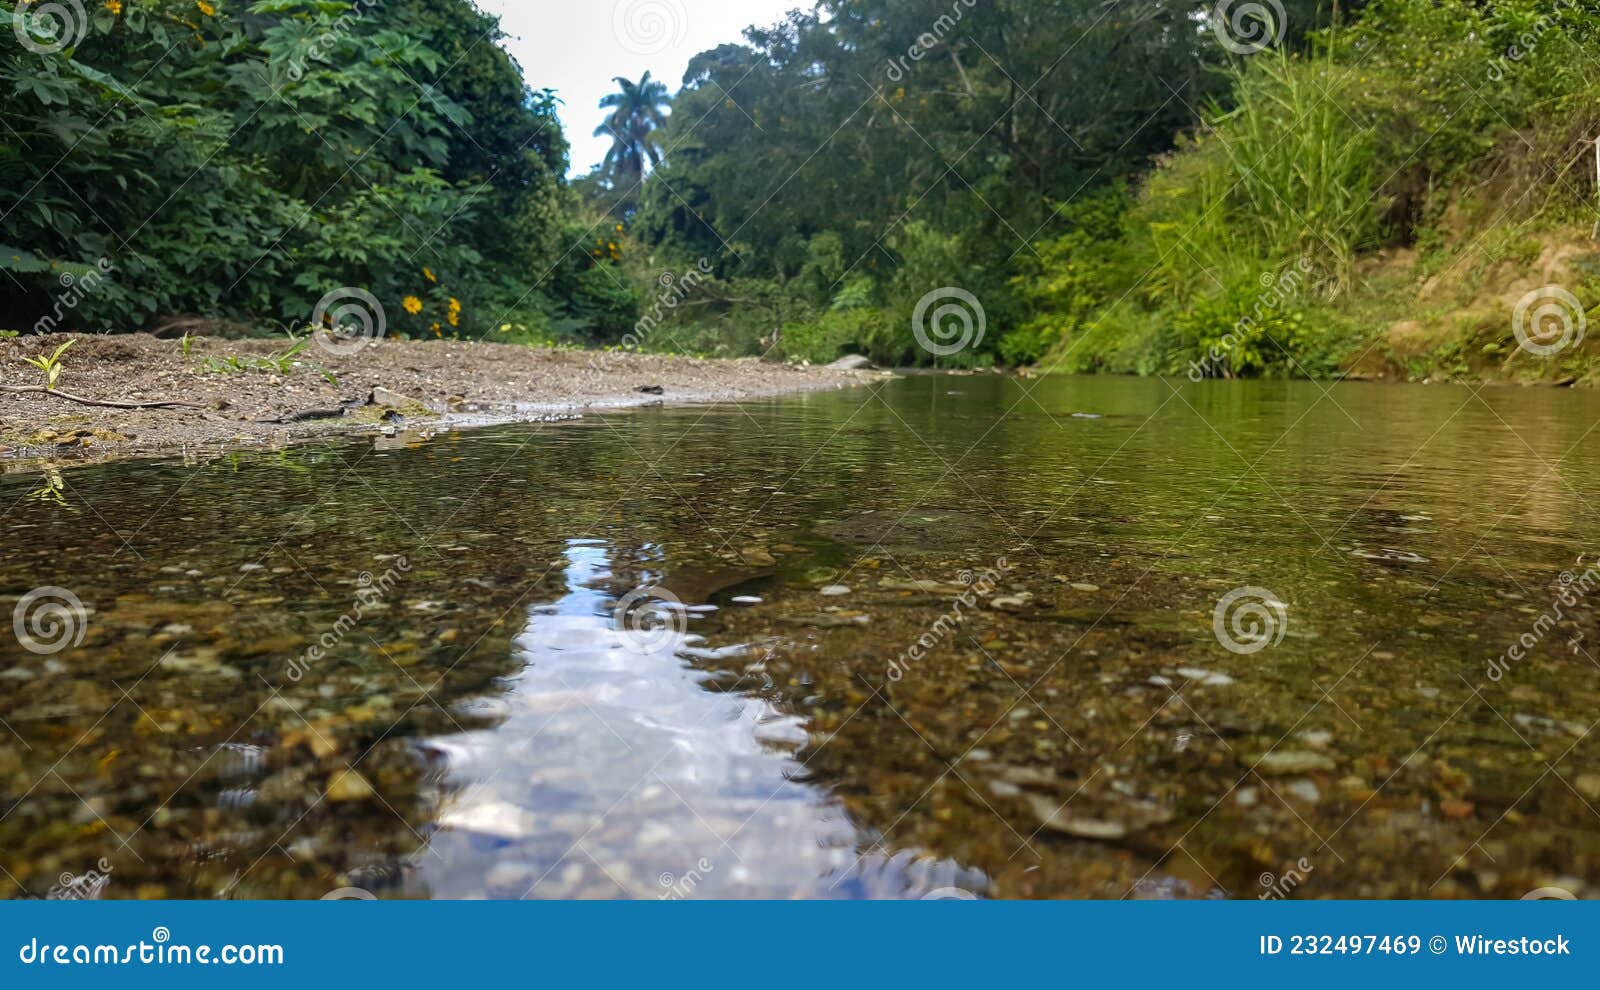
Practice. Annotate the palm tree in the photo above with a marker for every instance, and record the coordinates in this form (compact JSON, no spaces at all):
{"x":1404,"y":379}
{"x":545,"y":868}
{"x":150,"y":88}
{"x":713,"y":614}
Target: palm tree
{"x":635,"y":113}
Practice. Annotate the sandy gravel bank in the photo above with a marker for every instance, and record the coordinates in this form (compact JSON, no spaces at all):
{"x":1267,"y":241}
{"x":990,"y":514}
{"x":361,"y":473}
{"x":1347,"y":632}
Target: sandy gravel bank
{"x":247,"y":394}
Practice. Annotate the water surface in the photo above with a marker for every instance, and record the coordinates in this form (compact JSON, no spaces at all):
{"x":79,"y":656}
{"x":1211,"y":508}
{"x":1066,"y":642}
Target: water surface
{"x":950,"y":636}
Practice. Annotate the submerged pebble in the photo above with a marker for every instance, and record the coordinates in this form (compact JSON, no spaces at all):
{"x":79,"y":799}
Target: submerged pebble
{"x":1290,"y":762}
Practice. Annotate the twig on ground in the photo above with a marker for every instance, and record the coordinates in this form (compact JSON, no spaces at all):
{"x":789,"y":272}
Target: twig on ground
{"x":107,"y":403}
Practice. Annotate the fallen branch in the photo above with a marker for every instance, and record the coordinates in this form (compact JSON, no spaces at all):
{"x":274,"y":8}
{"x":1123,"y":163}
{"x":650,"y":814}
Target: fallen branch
{"x":107,"y":403}
{"x":307,"y":416}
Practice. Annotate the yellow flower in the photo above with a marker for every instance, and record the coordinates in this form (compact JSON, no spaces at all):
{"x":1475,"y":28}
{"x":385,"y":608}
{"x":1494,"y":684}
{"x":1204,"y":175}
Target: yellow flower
{"x":115,"y":6}
{"x":454,"y":318}
{"x":412,"y":305}
{"x":612,"y":246}
{"x":455,"y":305}
{"x":619,"y":228}
{"x":205,"y":8}
{"x":428,"y":274}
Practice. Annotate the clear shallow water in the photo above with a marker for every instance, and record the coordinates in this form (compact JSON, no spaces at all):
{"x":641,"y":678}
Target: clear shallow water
{"x":480,"y":720}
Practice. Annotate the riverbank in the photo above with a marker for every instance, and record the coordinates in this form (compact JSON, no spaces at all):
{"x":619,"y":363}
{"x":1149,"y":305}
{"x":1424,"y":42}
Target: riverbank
{"x":251,"y":393}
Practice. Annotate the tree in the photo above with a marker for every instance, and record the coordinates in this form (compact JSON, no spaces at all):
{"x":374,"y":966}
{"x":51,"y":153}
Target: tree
{"x":243,"y":160}
{"x":636,"y":112}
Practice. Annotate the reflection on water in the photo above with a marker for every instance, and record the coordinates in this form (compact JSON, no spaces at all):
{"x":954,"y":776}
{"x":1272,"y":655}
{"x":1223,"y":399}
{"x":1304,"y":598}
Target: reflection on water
{"x":405,"y":669}
{"x":614,"y":769}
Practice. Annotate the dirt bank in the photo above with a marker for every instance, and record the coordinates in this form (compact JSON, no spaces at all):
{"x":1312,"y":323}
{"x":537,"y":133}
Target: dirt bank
{"x":249,"y":393}
{"x":1453,"y":315}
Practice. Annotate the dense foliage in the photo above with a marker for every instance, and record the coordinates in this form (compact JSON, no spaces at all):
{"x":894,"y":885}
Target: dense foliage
{"x":239,"y":160}
{"x":857,"y":157}
{"x":1119,"y":185}
{"x":1456,"y":134}
{"x":1123,"y":185}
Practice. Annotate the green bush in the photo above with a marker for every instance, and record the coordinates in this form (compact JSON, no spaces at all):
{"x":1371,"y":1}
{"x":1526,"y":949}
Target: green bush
{"x":240,"y":160}
{"x":1368,"y":139}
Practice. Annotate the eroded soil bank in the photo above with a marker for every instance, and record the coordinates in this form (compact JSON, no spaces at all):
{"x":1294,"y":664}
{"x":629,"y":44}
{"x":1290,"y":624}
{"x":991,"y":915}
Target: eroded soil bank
{"x":249,"y":393}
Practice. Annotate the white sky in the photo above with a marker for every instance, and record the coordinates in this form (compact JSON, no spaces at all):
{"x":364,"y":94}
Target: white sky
{"x":575,"y":47}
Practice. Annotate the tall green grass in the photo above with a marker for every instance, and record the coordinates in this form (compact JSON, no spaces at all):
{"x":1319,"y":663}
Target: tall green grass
{"x":1303,"y":171}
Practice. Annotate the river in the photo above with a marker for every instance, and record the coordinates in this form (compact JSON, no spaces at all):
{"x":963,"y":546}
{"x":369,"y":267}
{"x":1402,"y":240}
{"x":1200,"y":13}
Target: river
{"x":950,"y":636}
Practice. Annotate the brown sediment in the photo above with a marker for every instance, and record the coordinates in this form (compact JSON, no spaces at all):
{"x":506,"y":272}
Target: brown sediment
{"x":317,"y":393}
